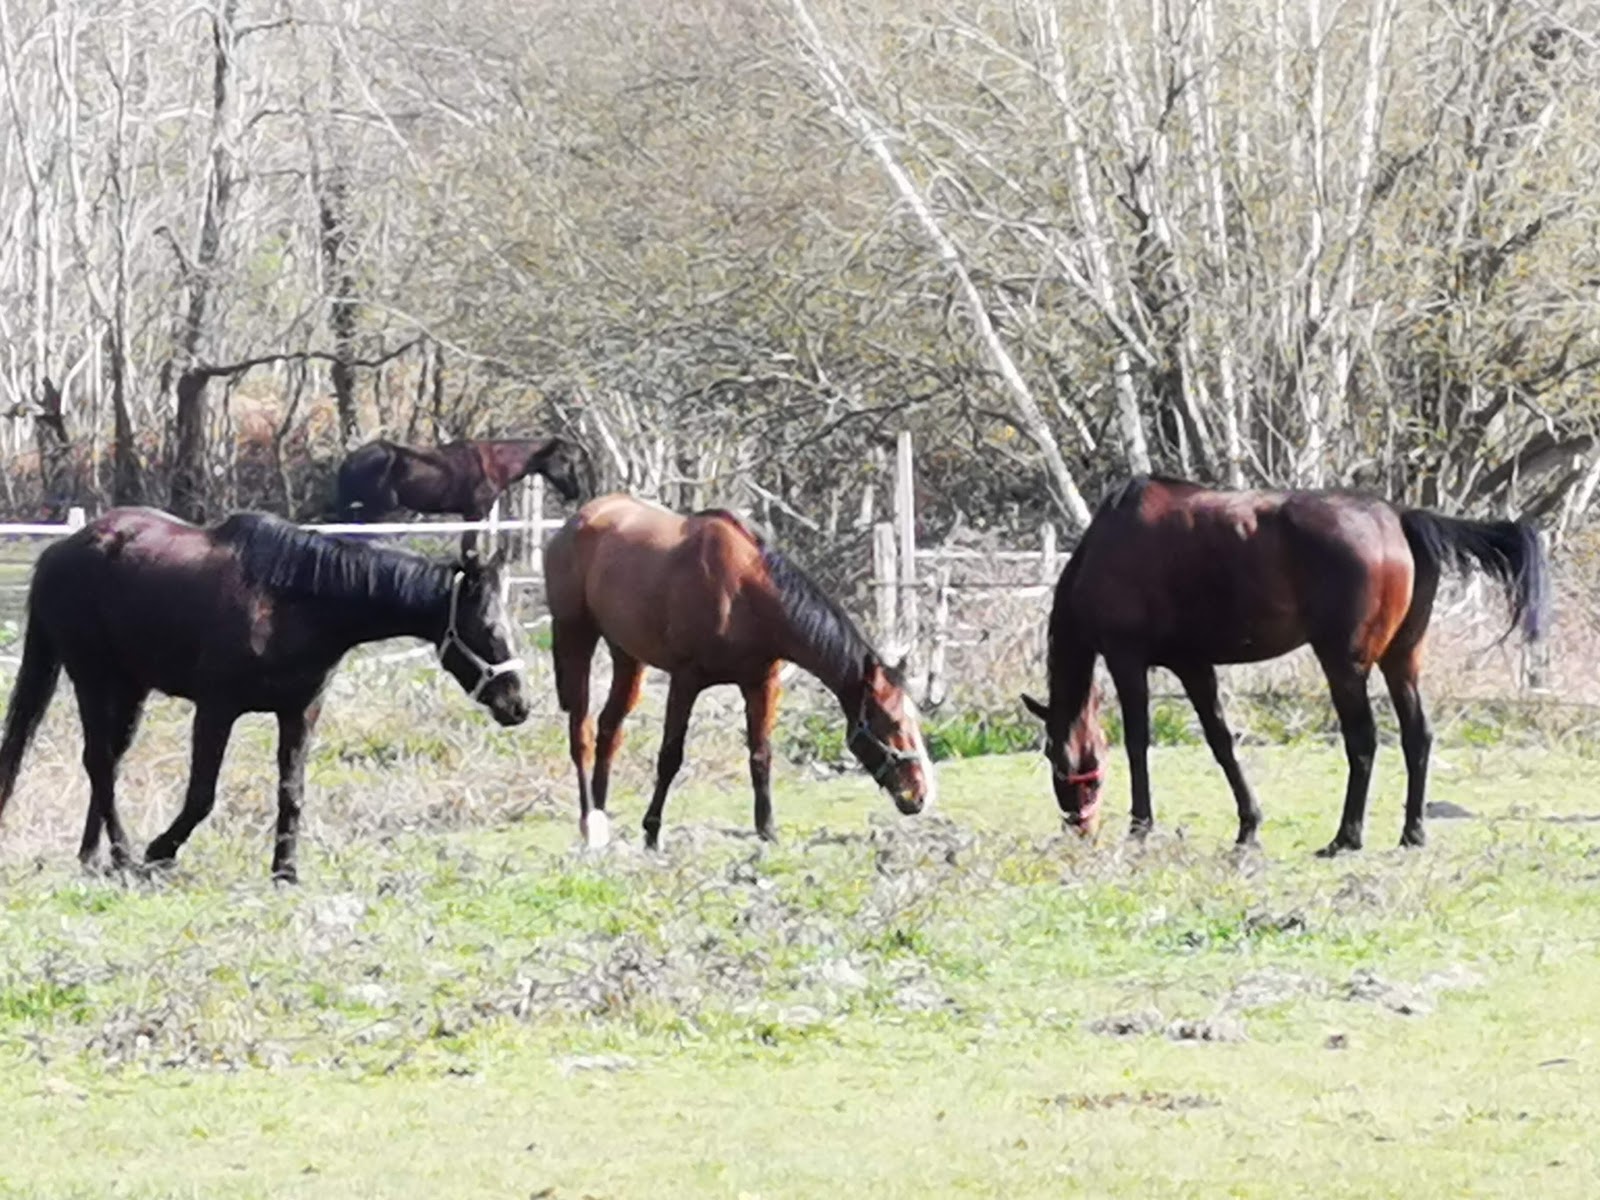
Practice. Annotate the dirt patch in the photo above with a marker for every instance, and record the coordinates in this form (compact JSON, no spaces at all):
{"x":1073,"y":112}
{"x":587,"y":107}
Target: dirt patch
{"x":1160,"y":1101}
{"x":1146,"y":1022}
{"x":1409,"y":999}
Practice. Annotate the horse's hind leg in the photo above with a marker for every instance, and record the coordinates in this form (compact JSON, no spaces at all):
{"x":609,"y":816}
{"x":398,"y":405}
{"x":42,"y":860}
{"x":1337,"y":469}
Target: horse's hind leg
{"x":110,"y":716}
{"x":1132,"y":677}
{"x":211,"y":729}
{"x":1401,"y":668}
{"x":627,"y":680}
{"x":572,"y":646}
{"x":1347,"y":681}
{"x":1200,"y":682}
{"x":760,"y":711}
{"x":680,"y":703}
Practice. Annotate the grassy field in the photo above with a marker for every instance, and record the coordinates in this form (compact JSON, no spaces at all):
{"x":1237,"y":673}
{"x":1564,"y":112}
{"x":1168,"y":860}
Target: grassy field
{"x":458,"y":1002}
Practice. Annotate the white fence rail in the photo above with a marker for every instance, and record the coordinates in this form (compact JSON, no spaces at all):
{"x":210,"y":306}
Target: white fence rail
{"x":527,"y":566}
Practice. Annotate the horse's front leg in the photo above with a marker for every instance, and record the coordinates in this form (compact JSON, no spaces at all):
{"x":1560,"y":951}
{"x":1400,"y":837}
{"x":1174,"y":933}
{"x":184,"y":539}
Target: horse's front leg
{"x":294,"y":737}
{"x":681,"y":695}
{"x":1132,"y":677}
{"x":760,"y":711}
{"x":212,"y":726}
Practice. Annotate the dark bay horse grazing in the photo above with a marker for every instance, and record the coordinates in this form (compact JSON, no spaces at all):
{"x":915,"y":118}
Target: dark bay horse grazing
{"x":1175,"y":575}
{"x":706,"y":600}
{"x":251,"y":616}
{"x":385,"y":479}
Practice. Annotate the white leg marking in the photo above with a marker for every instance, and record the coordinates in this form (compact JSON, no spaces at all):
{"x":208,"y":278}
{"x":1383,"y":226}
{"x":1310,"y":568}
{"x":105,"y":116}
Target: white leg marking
{"x":596,"y":829}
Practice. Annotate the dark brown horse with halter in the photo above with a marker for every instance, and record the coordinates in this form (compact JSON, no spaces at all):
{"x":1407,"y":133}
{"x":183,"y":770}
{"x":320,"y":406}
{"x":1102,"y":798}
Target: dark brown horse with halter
{"x":384,"y":479}
{"x":251,"y":616}
{"x":1176,"y":575}
{"x":709,"y":602}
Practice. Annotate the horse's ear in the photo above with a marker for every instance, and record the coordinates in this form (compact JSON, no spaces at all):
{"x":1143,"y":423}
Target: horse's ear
{"x":1039,"y":710}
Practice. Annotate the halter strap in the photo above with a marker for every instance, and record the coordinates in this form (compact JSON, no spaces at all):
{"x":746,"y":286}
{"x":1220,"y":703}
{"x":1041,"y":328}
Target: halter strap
{"x":893,"y":756}
{"x":487,"y":671}
{"x":1082,"y":777}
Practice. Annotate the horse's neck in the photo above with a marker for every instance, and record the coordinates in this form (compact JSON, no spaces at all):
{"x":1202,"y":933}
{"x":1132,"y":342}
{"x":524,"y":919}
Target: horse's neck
{"x":841,"y":678}
{"x":1072,"y":693}
{"x":504,"y":462}
{"x":355,"y":622}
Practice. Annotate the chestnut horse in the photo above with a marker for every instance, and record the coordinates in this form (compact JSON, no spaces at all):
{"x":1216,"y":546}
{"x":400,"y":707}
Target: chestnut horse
{"x":1176,"y":575}
{"x":709,"y":602}
{"x":383,"y":479}
{"x":251,"y":616}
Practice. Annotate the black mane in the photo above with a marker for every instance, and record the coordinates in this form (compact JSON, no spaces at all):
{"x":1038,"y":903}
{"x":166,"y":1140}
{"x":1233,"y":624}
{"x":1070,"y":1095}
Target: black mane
{"x":283,"y":558}
{"x":817,"y":619}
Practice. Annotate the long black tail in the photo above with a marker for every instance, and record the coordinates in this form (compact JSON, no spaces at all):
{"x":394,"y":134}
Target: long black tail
{"x":1510,"y":551}
{"x":36,"y":683}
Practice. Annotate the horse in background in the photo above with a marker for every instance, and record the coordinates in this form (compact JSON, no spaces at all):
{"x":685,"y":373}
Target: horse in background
{"x":250,"y":616}
{"x":705,"y":599}
{"x":1176,"y":575}
{"x":384,"y":480}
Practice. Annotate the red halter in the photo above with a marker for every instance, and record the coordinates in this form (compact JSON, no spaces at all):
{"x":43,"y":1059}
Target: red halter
{"x":1094,"y":776}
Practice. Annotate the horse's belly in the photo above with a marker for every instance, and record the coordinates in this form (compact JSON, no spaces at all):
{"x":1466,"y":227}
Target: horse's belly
{"x":1237,"y":642}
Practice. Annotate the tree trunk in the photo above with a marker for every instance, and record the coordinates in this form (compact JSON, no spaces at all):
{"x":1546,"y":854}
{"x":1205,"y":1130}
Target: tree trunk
{"x":189,"y":487}
{"x":189,"y":465}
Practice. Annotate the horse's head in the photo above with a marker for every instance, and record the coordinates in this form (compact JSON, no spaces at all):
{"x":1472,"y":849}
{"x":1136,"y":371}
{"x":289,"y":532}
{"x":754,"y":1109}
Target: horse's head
{"x":478,"y":646}
{"x":1076,"y":748}
{"x":887,"y":740}
{"x":562,"y":463}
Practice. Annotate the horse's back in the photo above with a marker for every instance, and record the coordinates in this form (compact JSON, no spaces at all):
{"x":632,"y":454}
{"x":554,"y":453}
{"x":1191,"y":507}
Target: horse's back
{"x":645,"y":577}
{"x":1239,"y":575}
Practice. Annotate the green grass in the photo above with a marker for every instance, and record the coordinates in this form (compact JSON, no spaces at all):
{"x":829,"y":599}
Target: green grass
{"x":898,"y":1007}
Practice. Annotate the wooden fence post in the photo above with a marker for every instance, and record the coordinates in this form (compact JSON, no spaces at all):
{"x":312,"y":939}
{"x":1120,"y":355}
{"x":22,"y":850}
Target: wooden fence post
{"x":1536,"y":655}
{"x":493,"y":538}
{"x":937,"y":686}
{"x":885,"y":582}
{"x":1048,"y":565}
{"x":905,"y":519}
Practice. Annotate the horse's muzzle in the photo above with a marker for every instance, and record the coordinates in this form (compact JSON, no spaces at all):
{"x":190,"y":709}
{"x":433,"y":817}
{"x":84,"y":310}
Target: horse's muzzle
{"x":513,"y":712}
{"x":1085,"y":821}
{"x":909,"y":803}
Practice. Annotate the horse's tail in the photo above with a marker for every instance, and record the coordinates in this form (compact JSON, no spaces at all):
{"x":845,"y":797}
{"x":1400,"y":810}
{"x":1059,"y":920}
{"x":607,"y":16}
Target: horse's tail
{"x":1510,"y":551}
{"x":36,"y":683}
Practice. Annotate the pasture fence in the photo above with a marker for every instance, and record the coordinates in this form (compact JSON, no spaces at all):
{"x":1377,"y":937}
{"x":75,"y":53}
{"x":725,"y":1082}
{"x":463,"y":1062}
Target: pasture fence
{"x":970,"y":613}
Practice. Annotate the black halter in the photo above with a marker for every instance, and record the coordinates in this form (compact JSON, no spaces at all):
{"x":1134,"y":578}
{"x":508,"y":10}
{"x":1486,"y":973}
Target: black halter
{"x":893,"y":756}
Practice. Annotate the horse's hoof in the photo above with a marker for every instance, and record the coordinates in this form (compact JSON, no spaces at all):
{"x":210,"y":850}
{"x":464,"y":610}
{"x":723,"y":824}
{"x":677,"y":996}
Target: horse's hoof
{"x":285,"y":876}
{"x":767,"y":833}
{"x":596,"y":829}
{"x":1140,"y":830}
{"x":652,"y":838}
{"x":1413,"y":838}
{"x":1337,"y":847}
